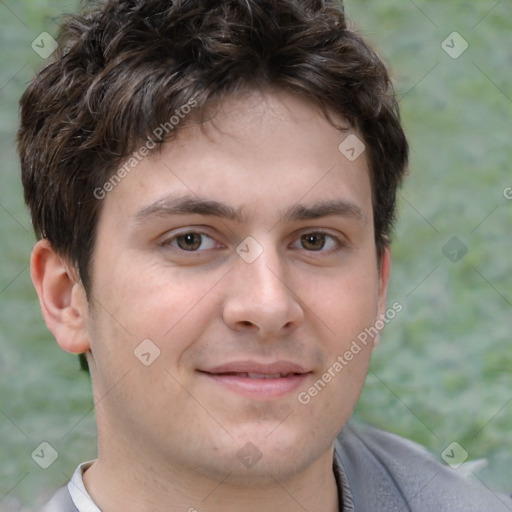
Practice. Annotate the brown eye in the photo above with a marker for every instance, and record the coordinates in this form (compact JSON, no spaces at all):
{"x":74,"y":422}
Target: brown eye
{"x":319,"y":241}
{"x":189,"y":241}
{"x":313,"y":241}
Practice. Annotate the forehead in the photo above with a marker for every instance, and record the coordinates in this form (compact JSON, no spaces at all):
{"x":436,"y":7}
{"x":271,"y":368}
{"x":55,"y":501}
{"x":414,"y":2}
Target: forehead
{"x":259,"y":152}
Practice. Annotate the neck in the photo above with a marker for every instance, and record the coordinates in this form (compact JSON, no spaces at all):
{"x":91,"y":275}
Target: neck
{"x":134,"y":484}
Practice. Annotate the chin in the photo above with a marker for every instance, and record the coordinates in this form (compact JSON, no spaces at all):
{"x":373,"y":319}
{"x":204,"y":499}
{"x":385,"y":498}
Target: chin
{"x":258,"y":456}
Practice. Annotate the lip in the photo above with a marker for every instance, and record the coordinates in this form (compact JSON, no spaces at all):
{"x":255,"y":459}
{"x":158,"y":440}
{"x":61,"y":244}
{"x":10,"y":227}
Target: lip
{"x":256,"y":367}
{"x":239,"y":377}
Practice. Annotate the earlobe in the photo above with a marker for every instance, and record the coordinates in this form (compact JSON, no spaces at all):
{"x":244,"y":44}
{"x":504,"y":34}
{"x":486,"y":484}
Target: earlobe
{"x":384,"y":273}
{"x":61,"y":296}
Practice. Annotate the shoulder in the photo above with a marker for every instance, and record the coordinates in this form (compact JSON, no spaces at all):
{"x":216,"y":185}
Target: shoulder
{"x":385,"y":470}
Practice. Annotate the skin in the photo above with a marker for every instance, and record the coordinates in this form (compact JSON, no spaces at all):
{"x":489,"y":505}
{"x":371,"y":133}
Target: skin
{"x":168,"y":436}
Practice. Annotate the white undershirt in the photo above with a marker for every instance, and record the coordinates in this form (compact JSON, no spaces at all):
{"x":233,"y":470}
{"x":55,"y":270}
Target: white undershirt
{"x":83,"y":502}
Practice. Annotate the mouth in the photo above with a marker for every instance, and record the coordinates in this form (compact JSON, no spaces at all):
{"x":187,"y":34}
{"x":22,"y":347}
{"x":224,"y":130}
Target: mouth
{"x":257,"y":380}
{"x":247,"y":375}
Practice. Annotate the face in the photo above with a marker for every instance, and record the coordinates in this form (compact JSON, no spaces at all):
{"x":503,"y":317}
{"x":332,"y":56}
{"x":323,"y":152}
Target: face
{"x":243,"y":254}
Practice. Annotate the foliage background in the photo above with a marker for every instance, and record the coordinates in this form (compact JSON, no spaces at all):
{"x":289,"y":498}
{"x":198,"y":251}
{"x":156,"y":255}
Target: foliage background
{"x":442,"y":372}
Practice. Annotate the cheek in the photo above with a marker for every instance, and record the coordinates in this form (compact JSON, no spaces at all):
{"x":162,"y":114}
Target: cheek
{"x":138,"y":301}
{"x":346,"y":300}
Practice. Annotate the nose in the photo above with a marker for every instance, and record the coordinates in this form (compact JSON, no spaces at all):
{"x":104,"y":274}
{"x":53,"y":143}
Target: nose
{"x":260,"y":298}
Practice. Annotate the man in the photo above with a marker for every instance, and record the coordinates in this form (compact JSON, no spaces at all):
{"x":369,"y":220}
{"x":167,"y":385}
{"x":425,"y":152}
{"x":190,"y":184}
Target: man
{"x":213,"y":185}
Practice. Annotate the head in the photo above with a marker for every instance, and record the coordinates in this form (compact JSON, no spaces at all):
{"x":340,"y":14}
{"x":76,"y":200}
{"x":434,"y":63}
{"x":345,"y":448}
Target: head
{"x":151,"y":116}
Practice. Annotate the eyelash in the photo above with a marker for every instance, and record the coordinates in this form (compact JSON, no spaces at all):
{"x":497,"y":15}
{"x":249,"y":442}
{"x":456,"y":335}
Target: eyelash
{"x":339,"y":244}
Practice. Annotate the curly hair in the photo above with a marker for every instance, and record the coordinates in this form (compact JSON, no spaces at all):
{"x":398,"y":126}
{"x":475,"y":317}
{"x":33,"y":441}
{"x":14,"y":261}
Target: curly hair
{"x":125,"y":67}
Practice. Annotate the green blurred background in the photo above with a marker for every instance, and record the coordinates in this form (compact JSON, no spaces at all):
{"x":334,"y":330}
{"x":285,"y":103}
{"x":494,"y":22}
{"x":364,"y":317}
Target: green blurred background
{"x":442,"y":372}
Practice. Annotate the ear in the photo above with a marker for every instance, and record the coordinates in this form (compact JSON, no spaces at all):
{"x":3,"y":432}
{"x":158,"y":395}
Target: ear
{"x":384,"y":272}
{"x":61,"y":296}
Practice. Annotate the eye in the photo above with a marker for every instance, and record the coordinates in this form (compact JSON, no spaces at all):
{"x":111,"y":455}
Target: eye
{"x":190,"y":241}
{"x":318,"y":241}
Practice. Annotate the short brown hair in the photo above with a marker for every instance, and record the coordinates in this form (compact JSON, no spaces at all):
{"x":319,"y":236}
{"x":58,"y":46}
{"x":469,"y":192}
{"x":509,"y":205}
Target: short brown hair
{"x":127,"y":66}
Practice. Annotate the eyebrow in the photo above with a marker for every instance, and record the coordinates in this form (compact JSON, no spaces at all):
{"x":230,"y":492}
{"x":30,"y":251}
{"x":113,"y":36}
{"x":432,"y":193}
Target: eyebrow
{"x":183,"y":205}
